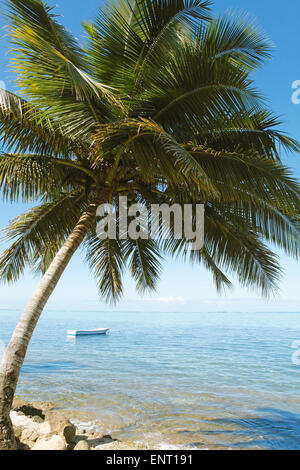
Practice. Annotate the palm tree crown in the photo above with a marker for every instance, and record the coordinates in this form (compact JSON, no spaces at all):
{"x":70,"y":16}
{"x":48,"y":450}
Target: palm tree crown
{"x":158,"y":106}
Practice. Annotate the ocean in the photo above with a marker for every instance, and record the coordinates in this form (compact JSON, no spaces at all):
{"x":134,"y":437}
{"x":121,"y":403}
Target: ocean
{"x":170,"y":380}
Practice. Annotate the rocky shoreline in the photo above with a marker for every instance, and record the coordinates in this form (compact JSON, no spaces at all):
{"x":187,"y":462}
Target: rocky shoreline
{"x":39,"y":426}
{"x":42,"y":426}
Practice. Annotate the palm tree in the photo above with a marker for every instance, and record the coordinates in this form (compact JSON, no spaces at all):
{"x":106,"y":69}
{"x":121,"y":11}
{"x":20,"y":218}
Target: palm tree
{"x":158,"y":106}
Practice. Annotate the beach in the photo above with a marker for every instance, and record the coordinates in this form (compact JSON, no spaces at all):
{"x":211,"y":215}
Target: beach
{"x":41,"y":426}
{"x":169,"y":380}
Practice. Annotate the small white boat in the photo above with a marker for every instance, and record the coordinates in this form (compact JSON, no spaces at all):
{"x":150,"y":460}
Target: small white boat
{"x":98,"y":331}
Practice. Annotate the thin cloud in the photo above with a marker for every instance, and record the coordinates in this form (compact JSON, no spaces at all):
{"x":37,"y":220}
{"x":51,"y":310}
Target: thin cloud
{"x":171,"y":300}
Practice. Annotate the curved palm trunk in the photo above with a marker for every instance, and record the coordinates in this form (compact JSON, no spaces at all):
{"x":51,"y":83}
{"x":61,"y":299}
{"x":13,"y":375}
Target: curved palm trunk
{"x":15,"y":354}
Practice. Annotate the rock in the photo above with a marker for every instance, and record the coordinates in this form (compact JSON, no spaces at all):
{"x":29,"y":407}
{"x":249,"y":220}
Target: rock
{"x":22,"y":420}
{"x":18,"y":431}
{"x":26,"y":430}
{"x":69,"y":433}
{"x":28,"y":445}
{"x":60,"y":425}
{"x":45,"y":428}
{"x":37,"y":419}
{"x":18,"y":403}
{"x":29,"y":435}
{"x":20,"y":413}
{"x":45,"y":406}
{"x":22,"y":446}
{"x":36,"y":408}
{"x":82,"y":445}
{"x":28,"y":409}
{"x":54,"y":443}
{"x":117,"y":445}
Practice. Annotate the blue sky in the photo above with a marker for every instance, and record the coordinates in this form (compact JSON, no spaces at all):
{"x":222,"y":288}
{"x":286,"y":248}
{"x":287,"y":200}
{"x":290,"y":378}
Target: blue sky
{"x":183,"y":287}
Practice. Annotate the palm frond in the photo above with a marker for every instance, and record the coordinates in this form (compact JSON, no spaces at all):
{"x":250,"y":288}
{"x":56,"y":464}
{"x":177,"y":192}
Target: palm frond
{"x":155,"y":151}
{"x":107,"y":262}
{"x":29,"y":176}
{"x":263,"y":198}
{"x":144,"y":260}
{"x":249,"y":172}
{"x":220,"y":279}
{"x":241,"y":252}
{"x":230,"y":248}
{"x":130,"y":34}
{"x":164,"y":22}
{"x":198,"y":87}
{"x":49,"y":62}
{"x":37,"y":231}
{"x":254,"y":130}
{"x":25,"y":127}
{"x":237,"y":37}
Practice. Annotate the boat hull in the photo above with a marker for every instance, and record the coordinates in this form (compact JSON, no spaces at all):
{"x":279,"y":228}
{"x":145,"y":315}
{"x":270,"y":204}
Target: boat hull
{"x":100,"y":331}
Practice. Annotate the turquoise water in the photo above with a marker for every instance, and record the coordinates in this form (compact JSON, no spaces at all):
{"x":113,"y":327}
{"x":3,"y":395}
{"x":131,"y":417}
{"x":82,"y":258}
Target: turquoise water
{"x":171,"y":380}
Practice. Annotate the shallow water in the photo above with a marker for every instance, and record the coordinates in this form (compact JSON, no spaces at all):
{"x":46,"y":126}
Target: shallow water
{"x":171,"y":380}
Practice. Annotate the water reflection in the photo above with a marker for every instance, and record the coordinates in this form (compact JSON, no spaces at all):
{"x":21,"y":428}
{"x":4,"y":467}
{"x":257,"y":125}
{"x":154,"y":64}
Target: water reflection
{"x":71,"y":339}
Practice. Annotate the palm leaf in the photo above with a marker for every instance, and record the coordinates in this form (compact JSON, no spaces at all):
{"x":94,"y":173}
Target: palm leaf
{"x":106,"y":260}
{"x":239,"y":171}
{"x":25,"y":127}
{"x":237,"y":37}
{"x":50,"y":63}
{"x":254,"y":130}
{"x":155,"y":151}
{"x":128,"y":35}
{"x":37,"y":231}
{"x":144,"y":260}
{"x":241,"y":252}
{"x":30,"y":176}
